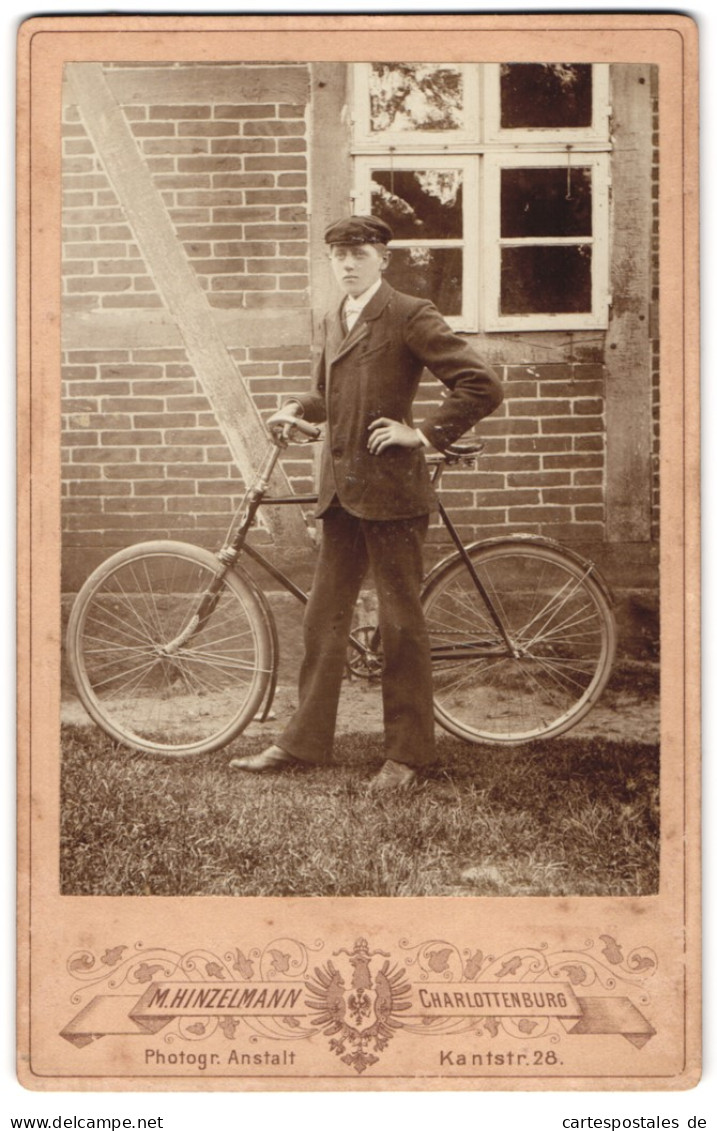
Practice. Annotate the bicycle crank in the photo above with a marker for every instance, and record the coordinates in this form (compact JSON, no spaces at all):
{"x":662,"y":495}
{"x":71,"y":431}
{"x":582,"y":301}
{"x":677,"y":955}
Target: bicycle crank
{"x":363,"y":658}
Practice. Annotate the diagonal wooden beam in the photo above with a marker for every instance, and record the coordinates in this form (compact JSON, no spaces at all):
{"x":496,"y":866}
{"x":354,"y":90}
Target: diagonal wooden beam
{"x":178,"y":285}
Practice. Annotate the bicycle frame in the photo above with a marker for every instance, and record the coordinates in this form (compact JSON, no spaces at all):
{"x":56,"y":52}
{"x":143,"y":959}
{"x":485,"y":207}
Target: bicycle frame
{"x":257,"y":496}
{"x":236,"y":544}
{"x":522,"y":637}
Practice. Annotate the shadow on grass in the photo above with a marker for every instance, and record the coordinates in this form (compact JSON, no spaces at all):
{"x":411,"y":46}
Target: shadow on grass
{"x":568,"y":817}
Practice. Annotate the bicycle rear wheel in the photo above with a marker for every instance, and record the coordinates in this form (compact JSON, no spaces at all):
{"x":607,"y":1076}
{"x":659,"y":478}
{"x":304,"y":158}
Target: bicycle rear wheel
{"x":146,"y":673}
{"x":561,"y":629}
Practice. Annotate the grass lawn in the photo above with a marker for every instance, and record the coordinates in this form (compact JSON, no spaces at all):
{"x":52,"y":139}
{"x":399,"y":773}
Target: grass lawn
{"x":574,"y":816}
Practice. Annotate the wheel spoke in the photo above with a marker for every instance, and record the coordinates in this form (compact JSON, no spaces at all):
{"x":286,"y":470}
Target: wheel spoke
{"x":131,"y":600}
{"x":557,"y":621}
{"x":193,"y":680}
{"x":151,"y":601}
{"x":469,"y":606}
{"x":218,"y":662}
{"x":561,"y":631}
{"x":559,"y":676}
{"x":557,"y":602}
{"x":118,"y":625}
{"x":132,"y":676}
{"x":466,"y":677}
{"x":103,"y":646}
{"x":547,"y":688}
{"x":199,"y":645}
{"x":192,"y":700}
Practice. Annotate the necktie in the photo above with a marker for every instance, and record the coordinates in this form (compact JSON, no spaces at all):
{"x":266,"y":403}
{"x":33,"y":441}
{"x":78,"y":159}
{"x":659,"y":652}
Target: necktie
{"x":351,"y":313}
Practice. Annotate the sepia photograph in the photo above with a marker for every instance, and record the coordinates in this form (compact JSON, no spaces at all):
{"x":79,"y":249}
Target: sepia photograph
{"x":359,"y":595}
{"x":469,"y":498}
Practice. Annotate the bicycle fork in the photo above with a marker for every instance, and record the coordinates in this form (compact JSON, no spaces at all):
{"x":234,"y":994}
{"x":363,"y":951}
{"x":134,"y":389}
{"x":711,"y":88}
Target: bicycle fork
{"x":227,"y":555}
{"x":200,"y":618}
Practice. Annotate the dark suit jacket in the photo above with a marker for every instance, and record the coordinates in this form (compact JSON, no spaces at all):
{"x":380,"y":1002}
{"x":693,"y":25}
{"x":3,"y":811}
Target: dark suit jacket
{"x":374,"y":371}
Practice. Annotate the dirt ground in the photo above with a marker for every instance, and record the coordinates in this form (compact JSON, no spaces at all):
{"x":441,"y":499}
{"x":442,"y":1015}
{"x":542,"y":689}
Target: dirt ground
{"x":621,"y":715}
{"x":624,"y":713}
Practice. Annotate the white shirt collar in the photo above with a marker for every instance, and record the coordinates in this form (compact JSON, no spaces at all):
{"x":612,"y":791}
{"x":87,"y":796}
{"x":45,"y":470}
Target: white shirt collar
{"x":360,"y":301}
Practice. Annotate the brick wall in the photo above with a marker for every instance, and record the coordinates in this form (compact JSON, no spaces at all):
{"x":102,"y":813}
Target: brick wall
{"x":142,"y":453}
{"x":234,"y":180}
{"x":542,"y":470}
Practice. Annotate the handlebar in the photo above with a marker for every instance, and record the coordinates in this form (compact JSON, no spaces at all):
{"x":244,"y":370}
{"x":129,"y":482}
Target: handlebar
{"x":312,"y":431}
{"x":453,"y":453}
{"x":301,"y":425}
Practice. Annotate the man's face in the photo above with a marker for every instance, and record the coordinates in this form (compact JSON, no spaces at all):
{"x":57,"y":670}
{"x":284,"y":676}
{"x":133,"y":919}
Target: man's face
{"x":356,"y":267}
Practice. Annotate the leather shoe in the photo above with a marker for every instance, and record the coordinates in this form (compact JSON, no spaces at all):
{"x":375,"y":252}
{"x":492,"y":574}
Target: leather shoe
{"x":394,"y":775}
{"x":273,"y":758}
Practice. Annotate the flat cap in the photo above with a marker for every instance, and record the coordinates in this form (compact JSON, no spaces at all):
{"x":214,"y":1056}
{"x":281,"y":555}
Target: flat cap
{"x":357,"y":230}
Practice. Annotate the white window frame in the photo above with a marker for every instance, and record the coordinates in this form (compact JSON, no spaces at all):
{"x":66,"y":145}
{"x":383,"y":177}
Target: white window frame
{"x":481,"y":149}
{"x":580,"y":137}
{"x":364,"y":168}
{"x":493,"y":242}
{"x":364,"y":136}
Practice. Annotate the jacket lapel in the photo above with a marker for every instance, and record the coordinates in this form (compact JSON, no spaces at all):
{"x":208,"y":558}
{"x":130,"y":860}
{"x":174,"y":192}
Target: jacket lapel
{"x":378,"y":302}
{"x":338,"y":344}
{"x":334,"y":336}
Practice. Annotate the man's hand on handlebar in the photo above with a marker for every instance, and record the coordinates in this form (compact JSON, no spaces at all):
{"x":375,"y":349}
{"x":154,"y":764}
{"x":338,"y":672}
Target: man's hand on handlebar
{"x":287,"y":420}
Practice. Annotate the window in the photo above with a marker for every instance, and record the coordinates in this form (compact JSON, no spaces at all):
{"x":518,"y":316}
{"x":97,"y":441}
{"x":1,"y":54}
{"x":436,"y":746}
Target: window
{"x":495,"y":181}
{"x":425,"y":203}
{"x":420,"y":103}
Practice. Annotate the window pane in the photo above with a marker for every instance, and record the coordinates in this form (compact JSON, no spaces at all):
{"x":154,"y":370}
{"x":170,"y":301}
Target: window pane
{"x":546,"y":202}
{"x":419,"y":204}
{"x":415,"y":96}
{"x":545,"y":95}
{"x":429,"y":272}
{"x":545,"y":280}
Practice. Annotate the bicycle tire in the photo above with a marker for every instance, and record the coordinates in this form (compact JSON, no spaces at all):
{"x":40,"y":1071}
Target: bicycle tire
{"x":196,"y":699}
{"x":559,"y":618}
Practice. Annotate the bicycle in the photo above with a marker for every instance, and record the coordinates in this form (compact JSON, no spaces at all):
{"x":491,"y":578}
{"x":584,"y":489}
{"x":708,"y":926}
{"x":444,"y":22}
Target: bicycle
{"x":174,"y":649}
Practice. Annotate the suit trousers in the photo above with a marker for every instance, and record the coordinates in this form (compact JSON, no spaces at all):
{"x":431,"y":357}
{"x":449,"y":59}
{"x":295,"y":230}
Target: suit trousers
{"x":392,"y":550}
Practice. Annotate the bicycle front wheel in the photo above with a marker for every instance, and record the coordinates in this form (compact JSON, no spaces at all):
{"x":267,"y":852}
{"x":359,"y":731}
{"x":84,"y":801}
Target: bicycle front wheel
{"x":561,"y":642}
{"x":147,"y":672}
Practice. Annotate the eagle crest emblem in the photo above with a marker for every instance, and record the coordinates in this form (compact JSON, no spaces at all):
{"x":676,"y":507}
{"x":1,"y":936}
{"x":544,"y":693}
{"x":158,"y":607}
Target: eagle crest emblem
{"x":359,"y":1012}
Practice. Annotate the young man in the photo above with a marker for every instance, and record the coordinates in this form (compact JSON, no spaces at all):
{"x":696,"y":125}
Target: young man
{"x":374,"y":497}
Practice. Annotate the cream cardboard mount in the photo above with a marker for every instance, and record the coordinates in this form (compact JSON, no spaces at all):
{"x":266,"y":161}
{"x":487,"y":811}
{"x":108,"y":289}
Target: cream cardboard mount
{"x":136,"y":991}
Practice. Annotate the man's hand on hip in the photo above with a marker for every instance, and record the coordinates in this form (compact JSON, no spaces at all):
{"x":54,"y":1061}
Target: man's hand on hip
{"x":385,"y":433}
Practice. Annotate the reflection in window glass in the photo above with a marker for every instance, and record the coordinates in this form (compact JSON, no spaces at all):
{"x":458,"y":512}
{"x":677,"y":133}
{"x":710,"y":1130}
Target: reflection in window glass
{"x":419,"y":204}
{"x":545,"y":202}
{"x":545,"y":95}
{"x":545,"y":280}
{"x":415,"y":96}
{"x":429,"y":272}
